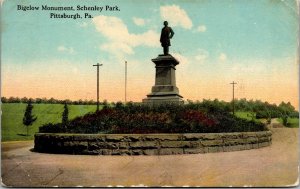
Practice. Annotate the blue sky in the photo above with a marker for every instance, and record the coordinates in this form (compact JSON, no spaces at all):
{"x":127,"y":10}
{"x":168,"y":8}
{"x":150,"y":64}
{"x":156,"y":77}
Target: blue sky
{"x":216,"y":42}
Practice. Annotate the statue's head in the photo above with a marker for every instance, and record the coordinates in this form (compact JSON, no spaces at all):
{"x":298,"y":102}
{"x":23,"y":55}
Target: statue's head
{"x":166,"y":23}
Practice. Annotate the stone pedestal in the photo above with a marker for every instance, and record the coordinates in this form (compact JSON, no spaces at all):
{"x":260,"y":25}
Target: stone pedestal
{"x":164,"y":90}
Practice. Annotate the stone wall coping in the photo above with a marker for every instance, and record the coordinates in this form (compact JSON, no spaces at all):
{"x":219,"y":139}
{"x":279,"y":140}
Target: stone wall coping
{"x":150,"y":144}
{"x":155,"y":134}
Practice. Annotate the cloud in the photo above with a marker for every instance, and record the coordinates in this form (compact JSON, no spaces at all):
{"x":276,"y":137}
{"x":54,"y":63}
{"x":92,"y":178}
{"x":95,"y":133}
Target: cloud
{"x":201,"y":55}
{"x":256,"y":68}
{"x":62,"y":48}
{"x":223,"y":57}
{"x":138,"y":21}
{"x":182,"y":59}
{"x":121,"y":47}
{"x":119,"y":39}
{"x":201,"y":28}
{"x":176,"y":16}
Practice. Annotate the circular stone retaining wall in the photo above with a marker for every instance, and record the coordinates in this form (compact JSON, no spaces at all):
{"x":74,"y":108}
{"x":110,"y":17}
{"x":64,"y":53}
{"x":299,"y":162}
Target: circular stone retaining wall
{"x":149,"y":144}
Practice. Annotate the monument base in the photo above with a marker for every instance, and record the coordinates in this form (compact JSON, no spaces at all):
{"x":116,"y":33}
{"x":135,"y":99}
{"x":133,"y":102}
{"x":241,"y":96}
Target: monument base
{"x":157,"y":100}
{"x":165,"y":90}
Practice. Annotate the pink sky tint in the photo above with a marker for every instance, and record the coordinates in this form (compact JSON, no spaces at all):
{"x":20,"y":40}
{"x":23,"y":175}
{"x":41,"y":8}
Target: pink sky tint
{"x":63,"y":80}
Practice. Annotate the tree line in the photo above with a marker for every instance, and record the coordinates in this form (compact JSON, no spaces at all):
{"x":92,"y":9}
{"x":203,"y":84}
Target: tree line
{"x":49,"y":101}
{"x":258,"y":108}
{"x":262,"y":109}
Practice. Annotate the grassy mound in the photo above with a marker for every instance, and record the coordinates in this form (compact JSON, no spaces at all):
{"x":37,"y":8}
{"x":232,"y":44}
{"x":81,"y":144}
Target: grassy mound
{"x":190,"y":118}
{"x":12,"y":127}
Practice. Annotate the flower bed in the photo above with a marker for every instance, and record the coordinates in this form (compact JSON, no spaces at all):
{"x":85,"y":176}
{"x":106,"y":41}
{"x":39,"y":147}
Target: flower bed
{"x":169,"y":118}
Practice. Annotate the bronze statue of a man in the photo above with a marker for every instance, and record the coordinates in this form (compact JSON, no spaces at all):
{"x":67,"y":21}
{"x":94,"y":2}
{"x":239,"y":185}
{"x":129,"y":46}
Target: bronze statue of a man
{"x":165,"y":36}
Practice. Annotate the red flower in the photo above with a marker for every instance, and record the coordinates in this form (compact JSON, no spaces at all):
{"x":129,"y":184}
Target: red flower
{"x":194,"y":116}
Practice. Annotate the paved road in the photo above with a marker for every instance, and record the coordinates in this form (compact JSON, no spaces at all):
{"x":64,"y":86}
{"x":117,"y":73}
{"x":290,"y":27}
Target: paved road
{"x":276,"y":165}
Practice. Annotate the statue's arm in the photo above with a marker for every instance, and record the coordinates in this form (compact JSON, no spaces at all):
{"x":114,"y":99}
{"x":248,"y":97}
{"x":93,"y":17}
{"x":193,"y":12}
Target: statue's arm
{"x":172,"y":33}
{"x":160,"y":36}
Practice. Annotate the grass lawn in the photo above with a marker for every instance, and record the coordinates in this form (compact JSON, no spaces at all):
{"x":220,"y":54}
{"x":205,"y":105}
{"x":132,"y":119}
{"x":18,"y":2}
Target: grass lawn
{"x":248,"y":116}
{"x":293,"y":122}
{"x":245,"y":115}
{"x":12,"y":127}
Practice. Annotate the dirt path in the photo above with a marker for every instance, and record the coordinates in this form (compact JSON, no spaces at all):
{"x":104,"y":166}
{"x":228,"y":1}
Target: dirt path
{"x":276,"y":124}
{"x":276,"y":165}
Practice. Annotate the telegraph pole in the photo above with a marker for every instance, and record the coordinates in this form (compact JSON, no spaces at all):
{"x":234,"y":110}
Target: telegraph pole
{"x":98,"y":65}
{"x":125,"y":81}
{"x":233,"y":83}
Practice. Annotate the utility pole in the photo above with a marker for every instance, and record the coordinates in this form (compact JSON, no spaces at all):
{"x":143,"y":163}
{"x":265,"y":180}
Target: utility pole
{"x":98,"y":65}
{"x":125,"y":81}
{"x":233,"y":83}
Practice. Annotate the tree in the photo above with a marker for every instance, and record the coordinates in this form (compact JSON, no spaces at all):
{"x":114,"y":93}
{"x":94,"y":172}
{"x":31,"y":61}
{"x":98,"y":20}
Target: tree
{"x":52,"y":101}
{"x":38,"y":100}
{"x":105,"y":103}
{"x":28,"y":118}
{"x":65,"y":116}
{"x":119,"y":105}
{"x":24,"y":100}
{"x":284,"y":118}
{"x":286,"y":108}
{"x":4,"y":100}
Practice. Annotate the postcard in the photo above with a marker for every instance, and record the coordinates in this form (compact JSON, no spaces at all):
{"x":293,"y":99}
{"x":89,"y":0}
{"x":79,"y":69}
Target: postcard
{"x":136,"y":93}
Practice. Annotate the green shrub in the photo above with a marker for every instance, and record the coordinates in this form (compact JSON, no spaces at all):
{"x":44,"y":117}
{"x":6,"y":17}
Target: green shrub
{"x":52,"y":128}
{"x":167,"y":118}
{"x":294,"y":114}
{"x":284,"y":120}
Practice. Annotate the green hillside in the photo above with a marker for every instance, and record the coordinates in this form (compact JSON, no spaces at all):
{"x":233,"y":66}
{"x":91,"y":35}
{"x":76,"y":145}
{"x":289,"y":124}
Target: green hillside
{"x":292,"y":122}
{"x":12,"y":127}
